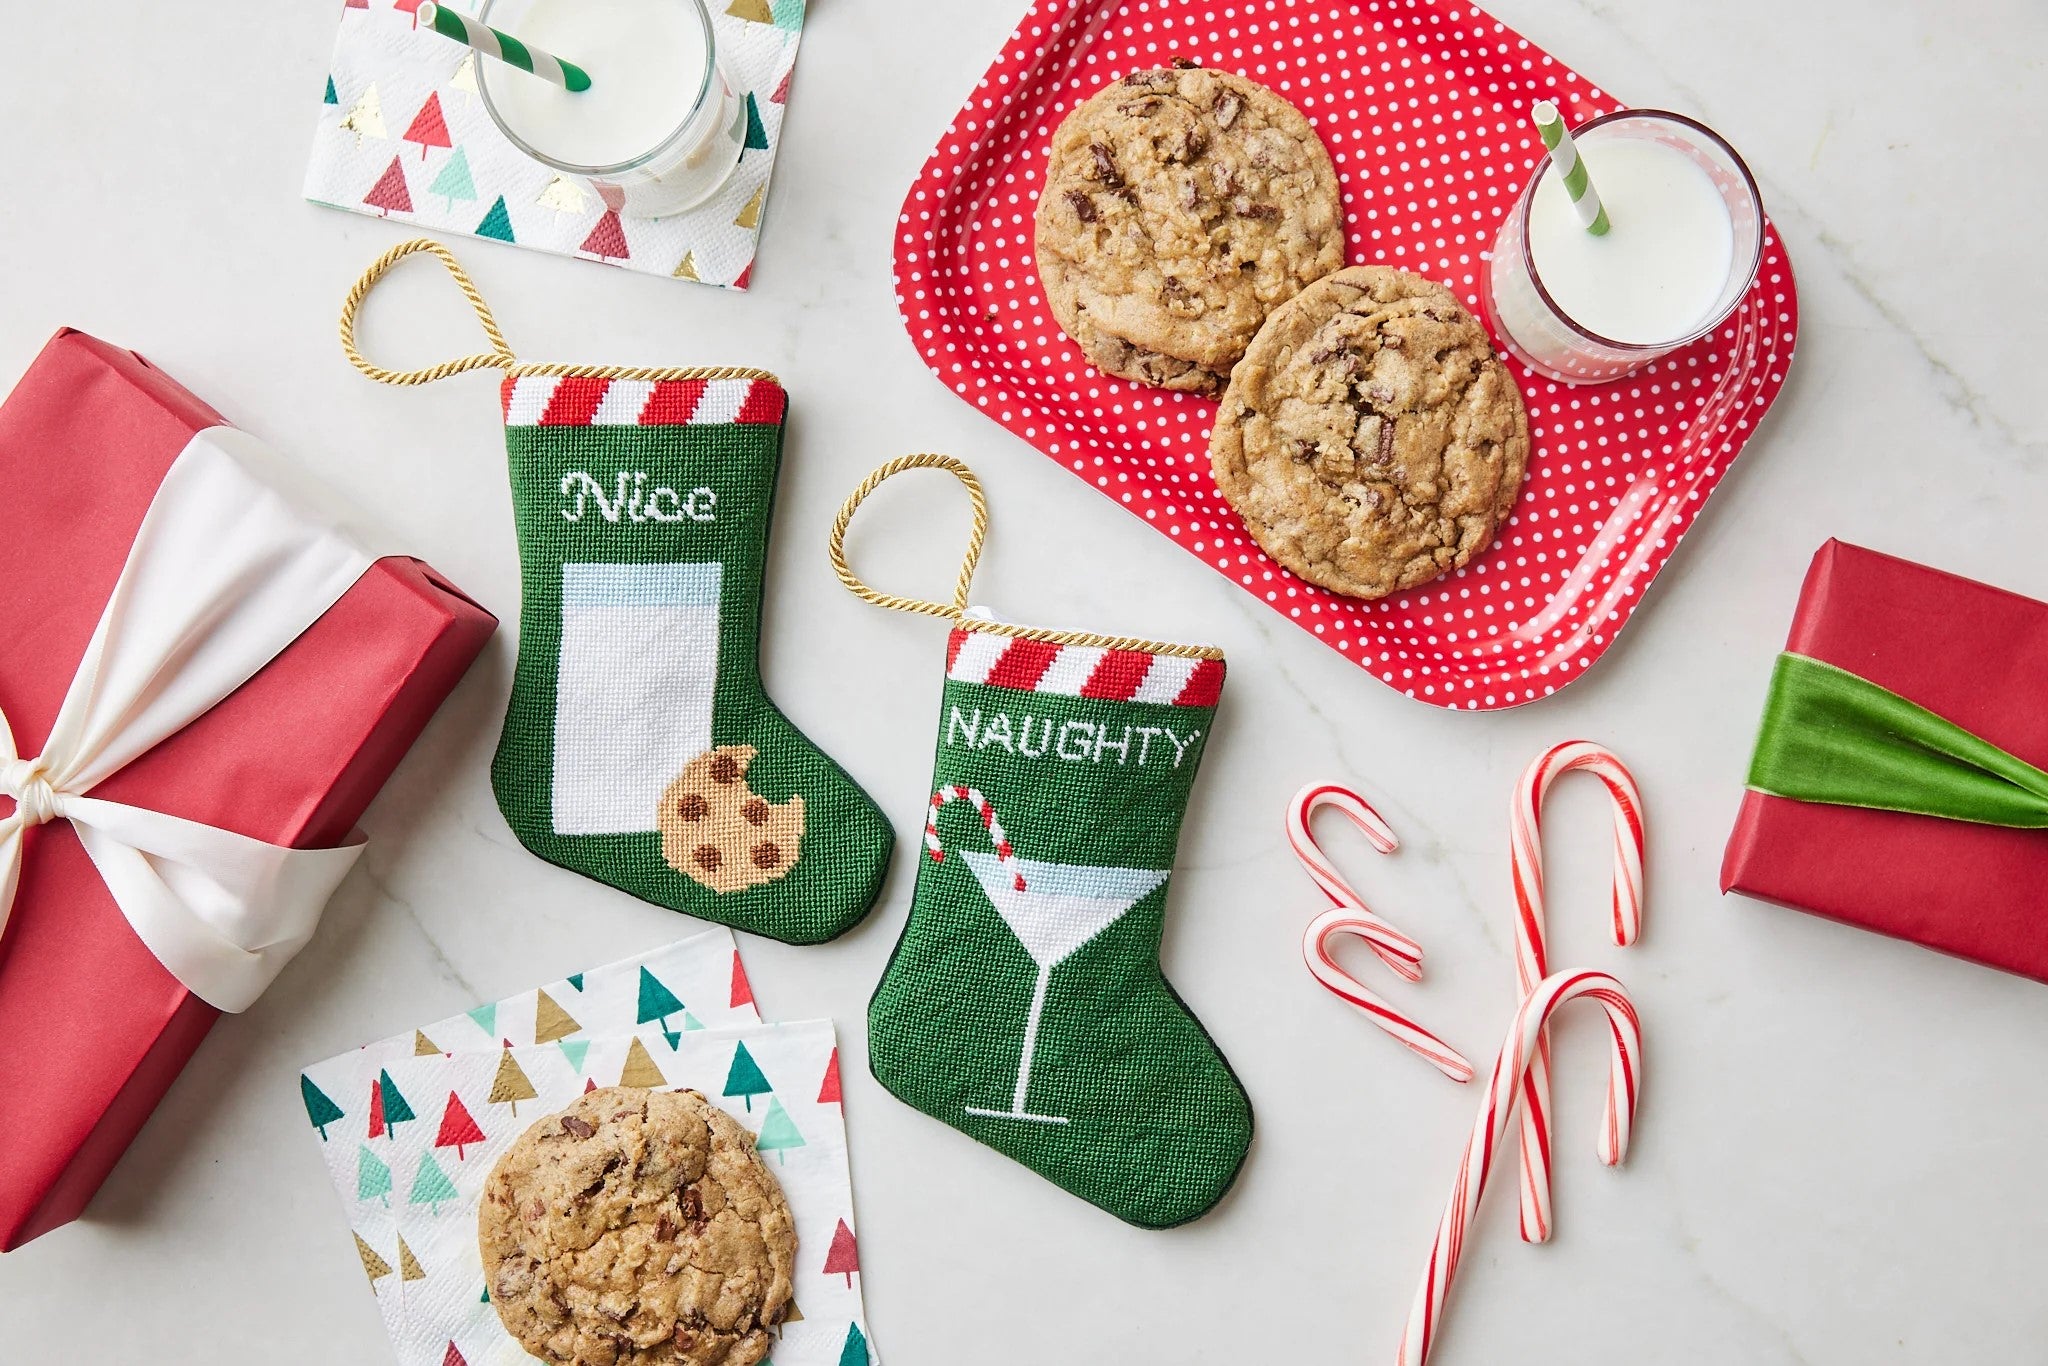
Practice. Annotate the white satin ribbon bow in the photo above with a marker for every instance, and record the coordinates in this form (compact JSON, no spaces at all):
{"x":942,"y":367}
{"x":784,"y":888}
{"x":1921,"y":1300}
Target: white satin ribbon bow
{"x":226,"y":571}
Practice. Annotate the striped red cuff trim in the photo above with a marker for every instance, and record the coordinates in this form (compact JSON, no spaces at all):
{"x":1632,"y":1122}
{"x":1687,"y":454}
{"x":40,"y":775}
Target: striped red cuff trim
{"x":592,"y":401}
{"x":1082,"y":670}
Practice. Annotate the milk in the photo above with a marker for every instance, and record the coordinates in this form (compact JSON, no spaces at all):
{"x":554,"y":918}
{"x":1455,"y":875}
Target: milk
{"x":1683,"y":248}
{"x":641,"y":124}
{"x":1661,"y":269}
{"x":634,"y":687}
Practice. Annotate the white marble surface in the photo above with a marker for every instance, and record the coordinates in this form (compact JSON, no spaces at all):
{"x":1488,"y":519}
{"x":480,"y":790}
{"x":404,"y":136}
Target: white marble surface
{"x":1839,"y":1153}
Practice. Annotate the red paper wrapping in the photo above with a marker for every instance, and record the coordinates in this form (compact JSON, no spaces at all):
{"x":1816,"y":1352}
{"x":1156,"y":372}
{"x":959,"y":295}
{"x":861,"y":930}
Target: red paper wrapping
{"x":93,"y":1030}
{"x":1969,"y":652}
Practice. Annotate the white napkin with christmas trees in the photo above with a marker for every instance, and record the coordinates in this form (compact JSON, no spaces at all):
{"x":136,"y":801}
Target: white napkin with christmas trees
{"x":403,"y":134}
{"x":410,"y":1127}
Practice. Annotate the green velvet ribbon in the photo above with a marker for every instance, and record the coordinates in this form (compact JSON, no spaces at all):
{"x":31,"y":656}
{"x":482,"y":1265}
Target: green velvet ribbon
{"x":1830,"y":736}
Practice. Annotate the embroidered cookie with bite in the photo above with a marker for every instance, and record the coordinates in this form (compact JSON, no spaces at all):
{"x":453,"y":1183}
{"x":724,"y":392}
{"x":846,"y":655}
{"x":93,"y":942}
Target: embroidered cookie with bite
{"x":1180,"y":207}
{"x":719,"y":831}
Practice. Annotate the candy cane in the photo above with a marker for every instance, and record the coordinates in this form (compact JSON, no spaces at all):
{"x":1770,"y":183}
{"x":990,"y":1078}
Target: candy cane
{"x":1350,"y":915}
{"x":1531,"y":957}
{"x":1517,"y":1056}
{"x":1004,"y":854}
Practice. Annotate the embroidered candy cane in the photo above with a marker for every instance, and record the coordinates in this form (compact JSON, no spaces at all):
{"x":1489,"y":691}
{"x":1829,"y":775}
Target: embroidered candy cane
{"x":1350,"y":915}
{"x":1004,"y":854}
{"x":1517,"y":1056}
{"x":1531,"y":956}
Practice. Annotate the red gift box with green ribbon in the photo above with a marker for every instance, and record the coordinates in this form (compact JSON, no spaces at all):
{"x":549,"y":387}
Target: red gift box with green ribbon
{"x":1898,"y":782}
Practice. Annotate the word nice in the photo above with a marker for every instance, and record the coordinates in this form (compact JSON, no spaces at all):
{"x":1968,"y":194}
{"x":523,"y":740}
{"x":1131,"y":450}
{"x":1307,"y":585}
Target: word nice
{"x":633,"y":501}
{"x":1080,"y":742}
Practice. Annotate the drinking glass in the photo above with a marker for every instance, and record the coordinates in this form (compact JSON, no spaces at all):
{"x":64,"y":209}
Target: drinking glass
{"x":1541,"y":334}
{"x":682,"y":168}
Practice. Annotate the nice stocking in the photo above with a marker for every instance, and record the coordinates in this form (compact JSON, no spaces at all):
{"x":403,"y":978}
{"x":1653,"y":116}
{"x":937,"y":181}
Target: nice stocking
{"x":639,"y":747}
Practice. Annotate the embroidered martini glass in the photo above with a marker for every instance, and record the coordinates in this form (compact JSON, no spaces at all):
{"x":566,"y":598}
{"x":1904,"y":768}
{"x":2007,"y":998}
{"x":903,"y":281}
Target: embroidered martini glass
{"x":1054,"y":909}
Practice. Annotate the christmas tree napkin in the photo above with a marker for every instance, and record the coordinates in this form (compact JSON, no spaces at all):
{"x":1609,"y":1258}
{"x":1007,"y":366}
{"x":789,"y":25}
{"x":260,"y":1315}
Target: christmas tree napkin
{"x":404,"y":134}
{"x":409,"y":1160}
{"x":417,"y":1194}
{"x":344,"y":1095}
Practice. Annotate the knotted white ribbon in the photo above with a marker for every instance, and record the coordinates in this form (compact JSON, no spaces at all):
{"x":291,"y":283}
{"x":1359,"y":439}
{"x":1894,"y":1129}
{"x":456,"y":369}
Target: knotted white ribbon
{"x":226,"y":571}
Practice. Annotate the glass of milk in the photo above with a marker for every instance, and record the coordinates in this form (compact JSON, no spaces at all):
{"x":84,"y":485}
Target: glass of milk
{"x":660,"y":124}
{"x":1686,"y":237}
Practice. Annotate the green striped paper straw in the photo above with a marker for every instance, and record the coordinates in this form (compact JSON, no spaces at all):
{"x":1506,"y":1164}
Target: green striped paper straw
{"x":503,"y":46}
{"x":1564,"y":154}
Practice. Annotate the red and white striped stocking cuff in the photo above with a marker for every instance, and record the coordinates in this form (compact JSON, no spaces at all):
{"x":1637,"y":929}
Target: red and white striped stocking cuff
{"x":597,"y":401}
{"x":1082,"y":670}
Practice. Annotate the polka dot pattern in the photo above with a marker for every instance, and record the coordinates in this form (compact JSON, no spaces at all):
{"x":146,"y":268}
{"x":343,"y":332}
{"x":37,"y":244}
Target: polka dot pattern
{"x":1421,"y":105}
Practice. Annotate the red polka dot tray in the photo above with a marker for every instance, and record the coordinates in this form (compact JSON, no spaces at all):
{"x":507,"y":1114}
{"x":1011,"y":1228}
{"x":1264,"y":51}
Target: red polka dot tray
{"x":1421,"y":103}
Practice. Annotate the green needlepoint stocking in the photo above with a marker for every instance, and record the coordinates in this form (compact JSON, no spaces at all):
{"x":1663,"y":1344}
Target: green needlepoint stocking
{"x":1024,"y":1004}
{"x":639,"y":747}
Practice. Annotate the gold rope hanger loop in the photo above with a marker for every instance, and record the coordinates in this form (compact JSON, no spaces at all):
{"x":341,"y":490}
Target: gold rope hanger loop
{"x":500,"y":356}
{"x":655,"y":373}
{"x":978,"y":534}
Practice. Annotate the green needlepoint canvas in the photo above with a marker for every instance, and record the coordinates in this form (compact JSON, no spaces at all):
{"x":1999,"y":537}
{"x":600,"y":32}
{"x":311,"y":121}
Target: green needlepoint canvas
{"x":640,"y":747}
{"x":1024,"y":1004}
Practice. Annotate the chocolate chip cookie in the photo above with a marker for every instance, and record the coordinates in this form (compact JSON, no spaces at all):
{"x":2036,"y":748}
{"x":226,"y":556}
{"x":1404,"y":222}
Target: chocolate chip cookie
{"x":1180,"y":207}
{"x":716,"y":829}
{"x":637,"y":1228}
{"x":1370,"y":438}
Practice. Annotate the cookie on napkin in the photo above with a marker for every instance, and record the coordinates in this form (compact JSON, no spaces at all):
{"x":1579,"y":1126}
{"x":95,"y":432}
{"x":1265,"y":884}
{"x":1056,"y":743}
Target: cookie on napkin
{"x":1371,"y":439}
{"x":1180,"y":207}
{"x":638,"y":1228}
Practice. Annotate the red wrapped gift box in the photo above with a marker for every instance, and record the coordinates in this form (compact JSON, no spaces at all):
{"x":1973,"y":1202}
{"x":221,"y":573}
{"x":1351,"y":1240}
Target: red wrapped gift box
{"x":93,"y":1029}
{"x":1974,"y":654}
